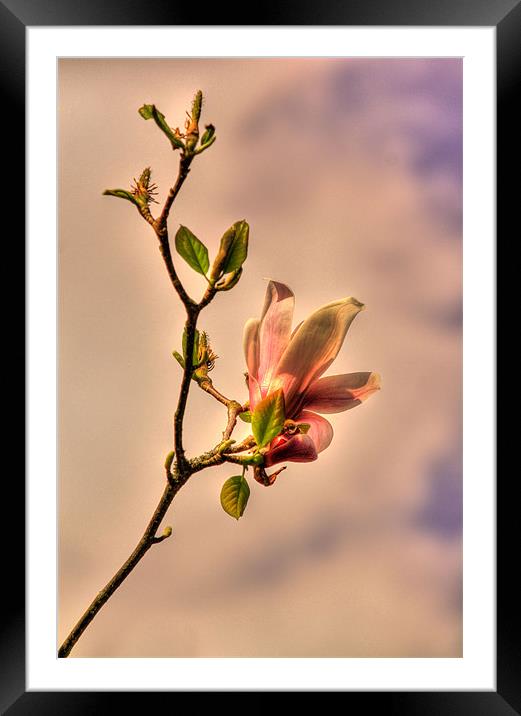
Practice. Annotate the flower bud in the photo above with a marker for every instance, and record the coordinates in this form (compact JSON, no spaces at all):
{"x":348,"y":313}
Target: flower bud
{"x":205,"y":358}
{"x":229,"y":281}
{"x":192,"y":124}
{"x":144,"y":190}
{"x":232,"y":253}
{"x":169,"y":460}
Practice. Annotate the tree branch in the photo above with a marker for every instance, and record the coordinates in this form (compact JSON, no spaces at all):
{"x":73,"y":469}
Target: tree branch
{"x":164,"y":247}
{"x":234,"y":408}
{"x":178,"y":472}
{"x":190,"y":327}
{"x":208,"y":296}
{"x":207,"y":385}
{"x":184,"y":168}
{"x":176,"y":480}
{"x":177,"y":477}
{"x":161,"y":229}
{"x":144,"y":544}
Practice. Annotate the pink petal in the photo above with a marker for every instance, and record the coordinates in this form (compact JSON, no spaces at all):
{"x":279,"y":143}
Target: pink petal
{"x":251,"y":345}
{"x":341,"y":392}
{"x":313,"y":348}
{"x":321,"y":430}
{"x":274,"y":329}
{"x":299,"y":448}
{"x":255,"y":392}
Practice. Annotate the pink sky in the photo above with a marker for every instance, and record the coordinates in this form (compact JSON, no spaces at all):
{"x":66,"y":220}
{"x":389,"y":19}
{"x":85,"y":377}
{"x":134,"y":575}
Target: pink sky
{"x":349,"y":174}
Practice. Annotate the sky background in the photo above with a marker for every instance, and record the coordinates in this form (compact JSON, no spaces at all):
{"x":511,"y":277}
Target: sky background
{"x":349,"y":173}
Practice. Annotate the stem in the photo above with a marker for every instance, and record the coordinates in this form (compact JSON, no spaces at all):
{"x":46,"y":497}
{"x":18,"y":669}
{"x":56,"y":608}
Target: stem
{"x":144,"y":544}
{"x":208,"y":295}
{"x":175,"y":482}
{"x":161,"y":229}
{"x":184,"y":168}
{"x":183,"y":468}
{"x":234,"y":408}
{"x":246,"y":444}
{"x":182,"y":471}
{"x":164,"y":247}
{"x":216,"y":457}
{"x":208,"y":387}
{"x":190,"y":325}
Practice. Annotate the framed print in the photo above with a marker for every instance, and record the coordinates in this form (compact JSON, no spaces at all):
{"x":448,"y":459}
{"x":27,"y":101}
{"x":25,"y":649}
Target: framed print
{"x":198,"y":214}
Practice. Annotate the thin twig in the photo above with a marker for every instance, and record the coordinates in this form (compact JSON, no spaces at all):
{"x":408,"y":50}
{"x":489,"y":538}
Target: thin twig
{"x":161,"y":229}
{"x":175,"y":481}
{"x":178,"y":473}
{"x":164,"y":247}
{"x":246,"y":444}
{"x":144,"y":544}
{"x":184,"y":168}
{"x":190,"y":327}
{"x":207,"y":385}
{"x":208,"y":296}
{"x":234,"y":408}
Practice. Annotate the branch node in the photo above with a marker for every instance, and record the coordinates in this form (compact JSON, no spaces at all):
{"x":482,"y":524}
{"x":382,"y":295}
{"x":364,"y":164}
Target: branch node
{"x":166,"y":534}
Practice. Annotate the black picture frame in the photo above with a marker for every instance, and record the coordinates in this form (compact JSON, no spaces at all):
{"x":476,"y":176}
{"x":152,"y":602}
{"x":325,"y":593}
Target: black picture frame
{"x":15,"y":16}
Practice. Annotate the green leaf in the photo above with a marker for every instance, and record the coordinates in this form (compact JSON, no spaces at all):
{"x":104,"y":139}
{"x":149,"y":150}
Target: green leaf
{"x":236,"y":242}
{"x":208,"y":134}
{"x":121,"y":194}
{"x":268,"y":418}
{"x":195,"y":354}
{"x":204,"y":147}
{"x":234,"y":496}
{"x":179,"y":358}
{"x":207,"y":139}
{"x":246,"y":416}
{"x":150,"y":111}
{"x":192,"y":250}
{"x":146,"y":111}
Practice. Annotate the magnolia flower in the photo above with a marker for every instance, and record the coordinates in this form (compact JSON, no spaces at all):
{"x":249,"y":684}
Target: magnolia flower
{"x":278,"y":358}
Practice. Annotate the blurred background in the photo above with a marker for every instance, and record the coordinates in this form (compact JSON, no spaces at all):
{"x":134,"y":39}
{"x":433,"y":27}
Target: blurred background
{"x":349,"y":172}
